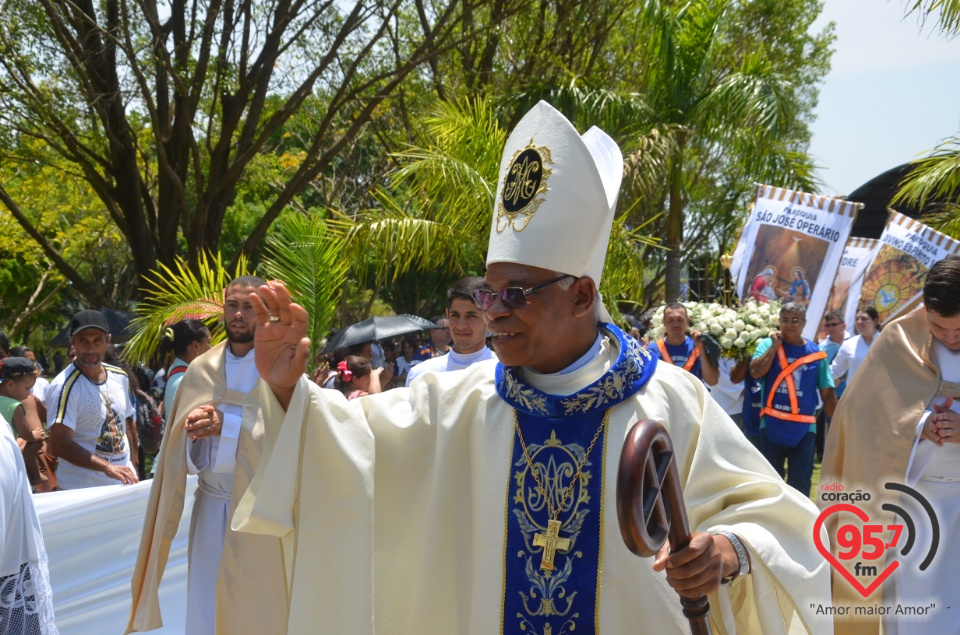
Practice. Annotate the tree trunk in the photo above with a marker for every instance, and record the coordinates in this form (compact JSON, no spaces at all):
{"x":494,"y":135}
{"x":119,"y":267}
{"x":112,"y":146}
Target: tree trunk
{"x":674,"y":226}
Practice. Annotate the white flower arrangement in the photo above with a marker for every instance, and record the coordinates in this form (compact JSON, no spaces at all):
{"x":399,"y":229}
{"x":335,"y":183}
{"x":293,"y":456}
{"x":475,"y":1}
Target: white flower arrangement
{"x":736,"y":330}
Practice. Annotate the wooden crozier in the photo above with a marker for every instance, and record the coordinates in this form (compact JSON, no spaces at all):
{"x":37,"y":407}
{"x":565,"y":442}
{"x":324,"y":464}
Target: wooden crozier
{"x":650,"y":504}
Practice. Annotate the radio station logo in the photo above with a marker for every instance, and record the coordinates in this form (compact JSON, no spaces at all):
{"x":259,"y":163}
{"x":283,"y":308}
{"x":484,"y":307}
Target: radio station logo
{"x":861,"y":550}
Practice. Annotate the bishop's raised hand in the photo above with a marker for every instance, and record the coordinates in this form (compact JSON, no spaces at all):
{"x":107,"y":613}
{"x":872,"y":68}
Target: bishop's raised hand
{"x":280,"y":343}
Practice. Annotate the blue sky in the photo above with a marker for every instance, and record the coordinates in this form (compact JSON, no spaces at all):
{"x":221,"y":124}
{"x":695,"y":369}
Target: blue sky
{"x":893,"y":92}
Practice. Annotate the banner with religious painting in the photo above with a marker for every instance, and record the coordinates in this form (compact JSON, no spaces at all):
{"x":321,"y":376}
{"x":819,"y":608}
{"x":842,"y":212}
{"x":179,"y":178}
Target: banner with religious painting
{"x":856,"y":258}
{"x":893,"y":281}
{"x":791,"y":247}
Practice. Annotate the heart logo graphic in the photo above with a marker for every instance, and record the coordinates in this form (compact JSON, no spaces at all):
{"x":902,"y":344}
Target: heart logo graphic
{"x":862,"y":515}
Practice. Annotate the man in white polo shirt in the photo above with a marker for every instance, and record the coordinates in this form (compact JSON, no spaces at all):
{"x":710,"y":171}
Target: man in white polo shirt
{"x":467,"y":329}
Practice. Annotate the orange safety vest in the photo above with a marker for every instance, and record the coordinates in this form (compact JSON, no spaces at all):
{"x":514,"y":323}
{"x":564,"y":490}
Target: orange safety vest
{"x":665,"y":354}
{"x":787,"y":374}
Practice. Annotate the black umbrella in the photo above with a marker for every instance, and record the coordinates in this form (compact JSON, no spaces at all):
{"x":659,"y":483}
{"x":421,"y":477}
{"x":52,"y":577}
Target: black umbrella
{"x":375,"y":329}
{"x":120,"y":331}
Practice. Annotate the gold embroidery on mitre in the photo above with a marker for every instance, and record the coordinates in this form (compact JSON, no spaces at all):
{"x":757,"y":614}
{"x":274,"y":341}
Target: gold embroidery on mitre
{"x":524,"y":182}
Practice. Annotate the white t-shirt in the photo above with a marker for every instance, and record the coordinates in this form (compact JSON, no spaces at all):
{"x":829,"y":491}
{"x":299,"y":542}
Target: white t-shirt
{"x":726,"y":393}
{"x":851,"y":354}
{"x":39,"y":390}
{"x":81,"y":405}
{"x":451,"y":361}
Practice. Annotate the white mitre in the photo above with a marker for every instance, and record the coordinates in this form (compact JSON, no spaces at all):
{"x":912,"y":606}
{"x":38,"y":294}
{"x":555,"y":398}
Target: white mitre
{"x":556,"y":196}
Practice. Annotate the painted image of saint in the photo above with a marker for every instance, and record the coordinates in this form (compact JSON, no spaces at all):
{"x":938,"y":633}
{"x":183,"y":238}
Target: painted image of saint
{"x":783,"y":264}
{"x":799,"y":288}
{"x":763,"y":288}
{"x":112,"y":440}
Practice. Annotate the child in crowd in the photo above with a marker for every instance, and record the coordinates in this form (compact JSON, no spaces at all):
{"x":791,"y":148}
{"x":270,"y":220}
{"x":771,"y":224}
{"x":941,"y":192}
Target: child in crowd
{"x":17,"y":378}
{"x":357,"y":378}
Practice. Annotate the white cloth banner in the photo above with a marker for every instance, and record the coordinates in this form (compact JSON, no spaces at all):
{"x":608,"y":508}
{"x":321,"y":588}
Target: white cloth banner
{"x":92,"y":536}
{"x":791,"y":247}
{"x":893,"y":280}
{"x":856,"y":258}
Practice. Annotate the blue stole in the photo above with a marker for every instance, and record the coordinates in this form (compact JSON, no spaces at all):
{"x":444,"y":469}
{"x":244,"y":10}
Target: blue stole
{"x":557,"y":431}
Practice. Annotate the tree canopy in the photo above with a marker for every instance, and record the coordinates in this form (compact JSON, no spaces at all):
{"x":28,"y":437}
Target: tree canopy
{"x":194,"y":127}
{"x":161,"y":108}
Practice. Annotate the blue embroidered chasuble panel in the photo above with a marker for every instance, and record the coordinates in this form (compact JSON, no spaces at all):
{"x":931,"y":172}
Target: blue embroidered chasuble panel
{"x":558,"y":432}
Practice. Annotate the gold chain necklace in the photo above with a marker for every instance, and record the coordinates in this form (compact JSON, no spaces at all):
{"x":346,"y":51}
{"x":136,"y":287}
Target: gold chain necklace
{"x":551,"y":540}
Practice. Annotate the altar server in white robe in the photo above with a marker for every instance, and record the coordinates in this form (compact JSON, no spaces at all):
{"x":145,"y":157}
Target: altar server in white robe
{"x":478,"y":502}
{"x":26,"y":600}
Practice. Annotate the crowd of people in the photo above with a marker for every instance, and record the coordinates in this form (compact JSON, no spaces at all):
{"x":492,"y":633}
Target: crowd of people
{"x":465,"y":483}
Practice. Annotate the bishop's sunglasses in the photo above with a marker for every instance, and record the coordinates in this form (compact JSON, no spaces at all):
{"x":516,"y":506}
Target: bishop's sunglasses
{"x":512,"y":297}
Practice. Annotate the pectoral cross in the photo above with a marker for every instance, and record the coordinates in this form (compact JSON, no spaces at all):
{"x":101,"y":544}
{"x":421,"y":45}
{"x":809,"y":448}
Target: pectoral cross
{"x":551,"y":543}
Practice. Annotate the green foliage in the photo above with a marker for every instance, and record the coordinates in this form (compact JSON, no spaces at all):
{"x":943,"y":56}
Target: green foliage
{"x":77,"y":232}
{"x":162,"y":108}
{"x":933,"y":185}
{"x":718,"y":114}
{"x":934,"y":177}
{"x":212,"y":144}
{"x":308,"y":259}
{"x":945,"y":12}
{"x":624,"y":274}
{"x":436,"y":214}
{"x":177,"y":293}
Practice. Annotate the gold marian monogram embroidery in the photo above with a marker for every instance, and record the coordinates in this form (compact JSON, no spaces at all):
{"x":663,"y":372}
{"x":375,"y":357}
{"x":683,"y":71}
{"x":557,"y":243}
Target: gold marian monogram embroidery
{"x":550,"y":540}
{"x":524,"y":182}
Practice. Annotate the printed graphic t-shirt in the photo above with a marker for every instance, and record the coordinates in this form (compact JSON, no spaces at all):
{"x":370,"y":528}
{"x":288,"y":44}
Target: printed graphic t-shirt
{"x":97,"y":415}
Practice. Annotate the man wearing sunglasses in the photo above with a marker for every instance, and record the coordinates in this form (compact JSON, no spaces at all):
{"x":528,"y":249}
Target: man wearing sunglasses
{"x":467,"y":332}
{"x":793,"y":370}
{"x":477,"y":502}
{"x":835,"y":328}
{"x":439,"y":343}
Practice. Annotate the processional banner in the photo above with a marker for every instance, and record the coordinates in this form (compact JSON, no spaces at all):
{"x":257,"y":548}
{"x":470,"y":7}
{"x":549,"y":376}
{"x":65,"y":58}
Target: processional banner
{"x":893,"y":280}
{"x":856,"y":258}
{"x":791,"y":247}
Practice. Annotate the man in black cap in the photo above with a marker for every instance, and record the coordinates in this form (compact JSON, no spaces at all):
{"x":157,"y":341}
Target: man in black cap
{"x":90,"y":414}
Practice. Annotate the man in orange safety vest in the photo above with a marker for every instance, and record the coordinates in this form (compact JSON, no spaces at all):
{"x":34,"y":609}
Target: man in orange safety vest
{"x":685,"y":351}
{"x":793,"y":369}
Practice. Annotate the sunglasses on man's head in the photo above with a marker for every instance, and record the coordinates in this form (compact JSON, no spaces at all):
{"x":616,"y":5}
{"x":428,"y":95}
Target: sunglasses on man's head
{"x":511,"y":297}
{"x":831,"y":324}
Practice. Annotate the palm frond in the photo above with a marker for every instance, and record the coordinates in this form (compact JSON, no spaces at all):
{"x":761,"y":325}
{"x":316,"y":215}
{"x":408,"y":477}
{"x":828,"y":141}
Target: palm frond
{"x":680,"y":45}
{"x":949,"y":14}
{"x":934,"y":177}
{"x":411,"y":240}
{"x":698,"y":25}
{"x":309,"y":260}
{"x":177,"y":293}
{"x":647,"y":166}
{"x":946,"y":219}
{"x":453,"y":177}
{"x":754,"y":96}
{"x":618,"y":114}
{"x":625,"y":268}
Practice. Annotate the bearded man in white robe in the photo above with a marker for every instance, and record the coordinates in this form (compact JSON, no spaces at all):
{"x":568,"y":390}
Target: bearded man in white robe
{"x":235,"y":582}
{"x":483,"y":500}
